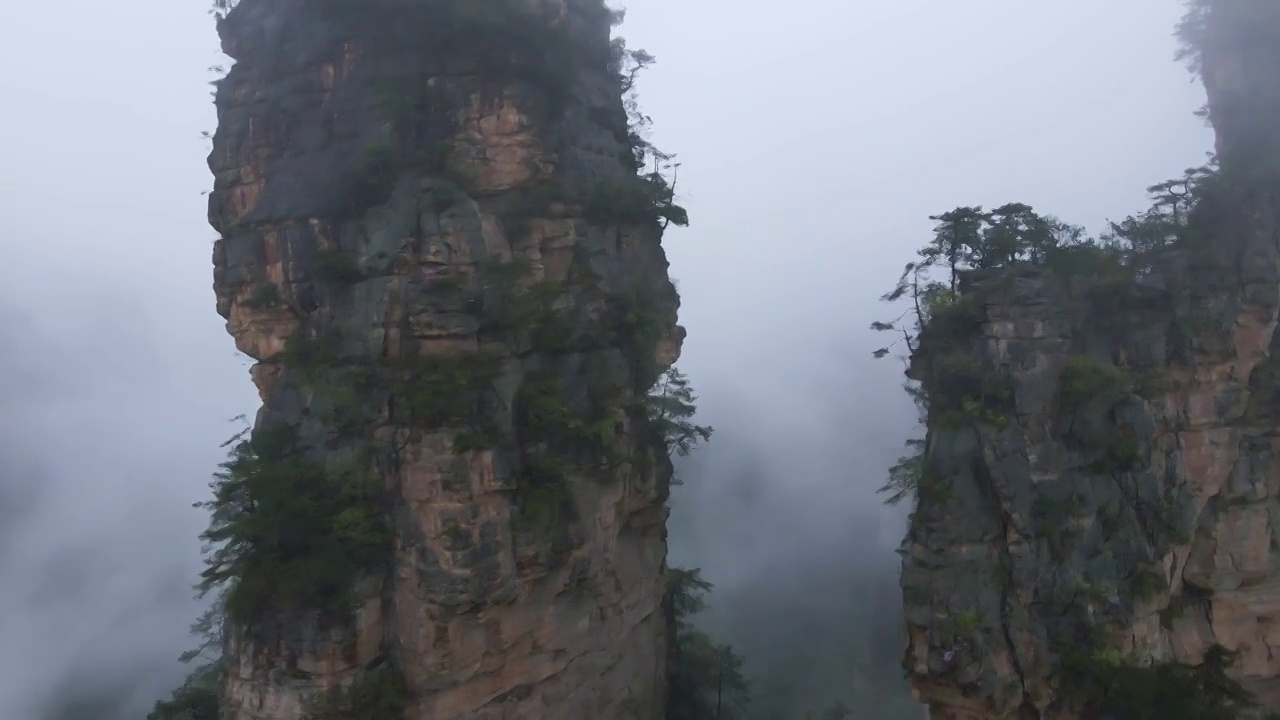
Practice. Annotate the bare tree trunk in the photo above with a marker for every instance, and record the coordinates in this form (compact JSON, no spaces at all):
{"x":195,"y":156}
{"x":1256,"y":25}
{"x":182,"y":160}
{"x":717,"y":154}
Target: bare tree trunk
{"x":720,"y":690}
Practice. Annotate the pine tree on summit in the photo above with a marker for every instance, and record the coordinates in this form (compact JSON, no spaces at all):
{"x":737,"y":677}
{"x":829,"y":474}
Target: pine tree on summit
{"x":957,"y":240}
{"x":1015,"y":233}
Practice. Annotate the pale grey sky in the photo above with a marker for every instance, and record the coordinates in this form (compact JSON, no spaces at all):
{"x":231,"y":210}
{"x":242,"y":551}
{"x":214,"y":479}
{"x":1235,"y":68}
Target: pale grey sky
{"x":817,"y":137}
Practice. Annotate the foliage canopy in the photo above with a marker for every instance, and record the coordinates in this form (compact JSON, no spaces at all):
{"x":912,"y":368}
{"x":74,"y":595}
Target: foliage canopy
{"x":288,"y":534}
{"x":971,"y":239}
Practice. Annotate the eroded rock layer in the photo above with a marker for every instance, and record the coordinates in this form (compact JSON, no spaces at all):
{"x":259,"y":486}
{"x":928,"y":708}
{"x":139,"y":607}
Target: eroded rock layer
{"x":1124,"y":493}
{"x":434,"y":245}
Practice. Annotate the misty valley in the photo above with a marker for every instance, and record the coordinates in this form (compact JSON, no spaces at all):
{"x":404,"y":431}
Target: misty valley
{"x":485,"y":473}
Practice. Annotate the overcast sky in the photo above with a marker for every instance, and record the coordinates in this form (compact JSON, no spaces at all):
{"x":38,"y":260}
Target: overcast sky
{"x":816,"y":136}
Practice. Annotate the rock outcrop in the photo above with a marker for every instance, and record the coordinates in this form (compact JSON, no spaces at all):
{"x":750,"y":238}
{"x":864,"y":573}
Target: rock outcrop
{"x":1114,"y":484}
{"x":436,"y":245}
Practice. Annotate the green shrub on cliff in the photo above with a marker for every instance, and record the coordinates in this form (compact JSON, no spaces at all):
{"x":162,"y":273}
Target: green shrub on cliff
{"x":649,"y":196}
{"x":548,"y":419}
{"x":1147,"y":582}
{"x":380,"y":693}
{"x":950,"y":318}
{"x":265,"y":295}
{"x":1087,"y":382}
{"x":506,"y":36}
{"x":332,"y":265}
{"x":963,"y":393}
{"x":287,"y":534}
{"x":502,"y":38}
{"x":1096,"y":259}
{"x":442,"y":390}
{"x":635,"y":199}
{"x":670,"y":407}
{"x":524,"y":313}
{"x":307,"y":351}
{"x":634,"y":321}
{"x":966,"y":623}
{"x":1088,"y":390}
{"x":1120,"y":451}
{"x":537,"y":315}
{"x":374,"y":177}
{"x":1192,"y":33}
{"x":1107,"y":683}
{"x":189,"y":703}
{"x":906,"y":475}
{"x":222,"y":7}
{"x":543,"y":500}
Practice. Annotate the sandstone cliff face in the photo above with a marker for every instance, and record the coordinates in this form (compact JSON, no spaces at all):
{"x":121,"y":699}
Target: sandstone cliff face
{"x":432,"y":247}
{"x":1144,"y":512}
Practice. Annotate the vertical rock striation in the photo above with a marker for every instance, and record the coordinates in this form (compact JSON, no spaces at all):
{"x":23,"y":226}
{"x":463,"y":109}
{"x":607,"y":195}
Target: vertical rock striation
{"x":435,"y":244}
{"x":1121,"y":491}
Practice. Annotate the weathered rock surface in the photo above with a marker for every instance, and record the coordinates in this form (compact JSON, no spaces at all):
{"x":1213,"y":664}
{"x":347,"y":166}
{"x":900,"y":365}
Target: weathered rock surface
{"x":381,"y":167}
{"x":1153,"y":518}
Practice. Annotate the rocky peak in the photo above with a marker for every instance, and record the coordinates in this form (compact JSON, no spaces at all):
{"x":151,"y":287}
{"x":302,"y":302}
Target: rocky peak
{"x":437,"y":245}
{"x":1097,"y":510}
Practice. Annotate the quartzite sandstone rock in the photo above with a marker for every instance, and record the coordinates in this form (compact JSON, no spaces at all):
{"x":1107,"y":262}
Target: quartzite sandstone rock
{"x":373,"y":162}
{"x":1172,"y":551}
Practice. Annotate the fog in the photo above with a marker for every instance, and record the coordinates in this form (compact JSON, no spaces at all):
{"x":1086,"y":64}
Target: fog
{"x":816,"y":141}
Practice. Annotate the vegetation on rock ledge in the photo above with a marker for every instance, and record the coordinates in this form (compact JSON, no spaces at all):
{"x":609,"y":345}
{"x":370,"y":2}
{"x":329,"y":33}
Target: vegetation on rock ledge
{"x":1109,"y":685}
{"x":289,"y":534}
{"x":381,"y":693}
{"x":971,"y":248}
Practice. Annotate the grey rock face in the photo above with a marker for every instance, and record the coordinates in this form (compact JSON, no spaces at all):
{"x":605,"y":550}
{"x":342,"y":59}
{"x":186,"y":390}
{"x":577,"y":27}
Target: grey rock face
{"x":1142,"y":515}
{"x":385,"y":198}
